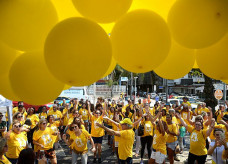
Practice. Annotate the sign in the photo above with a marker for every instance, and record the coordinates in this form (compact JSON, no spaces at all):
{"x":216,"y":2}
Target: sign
{"x":124,"y":78}
{"x":160,"y":87}
{"x":218,"y":94}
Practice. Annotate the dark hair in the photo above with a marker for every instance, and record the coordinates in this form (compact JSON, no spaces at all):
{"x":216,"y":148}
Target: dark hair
{"x":48,"y":117}
{"x":27,"y":156}
{"x":218,"y":130}
{"x":28,"y":122}
{"x":20,"y":106}
{"x":77,"y":123}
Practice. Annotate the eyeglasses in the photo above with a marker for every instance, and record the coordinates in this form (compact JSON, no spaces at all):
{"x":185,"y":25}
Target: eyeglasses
{"x":74,"y":127}
{"x":19,"y":126}
{"x":19,"y":116}
{"x":97,"y":113}
{"x":1,"y":115}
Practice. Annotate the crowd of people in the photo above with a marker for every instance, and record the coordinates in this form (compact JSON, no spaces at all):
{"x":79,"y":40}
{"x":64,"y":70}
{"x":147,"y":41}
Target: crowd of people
{"x":158,"y":133}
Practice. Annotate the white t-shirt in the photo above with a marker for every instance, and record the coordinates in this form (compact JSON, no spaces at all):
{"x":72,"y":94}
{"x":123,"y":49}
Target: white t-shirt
{"x":217,"y":154}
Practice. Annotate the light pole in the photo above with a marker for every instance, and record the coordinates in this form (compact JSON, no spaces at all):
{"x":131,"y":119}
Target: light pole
{"x":135,"y":87}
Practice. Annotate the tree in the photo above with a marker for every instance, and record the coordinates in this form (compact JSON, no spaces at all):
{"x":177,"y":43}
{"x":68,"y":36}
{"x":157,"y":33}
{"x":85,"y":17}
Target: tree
{"x":110,"y":84}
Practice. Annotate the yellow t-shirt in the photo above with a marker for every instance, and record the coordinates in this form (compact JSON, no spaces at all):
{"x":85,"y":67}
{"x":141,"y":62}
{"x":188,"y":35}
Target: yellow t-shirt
{"x":197,"y":141}
{"x":184,"y":115}
{"x":22,"y":123}
{"x":159,"y":142}
{"x":126,"y":142}
{"x":174,"y":129}
{"x":187,"y":103}
{"x":56,"y":114}
{"x":97,"y":131}
{"x":124,"y":108}
{"x":116,"y":128}
{"x":110,"y":115}
{"x":15,"y":109}
{"x":80,"y":142}
{"x":46,"y":138}
{"x":34,"y":119}
{"x":219,"y":118}
{"x":84,"y":113}
{"x":148,"y":128}
{"x":16,"y":143}
{"x":5,"y":160}
{"x":43,"y":115}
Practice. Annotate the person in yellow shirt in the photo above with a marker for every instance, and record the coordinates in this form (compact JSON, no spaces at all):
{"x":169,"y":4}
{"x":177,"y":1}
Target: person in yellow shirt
{"x":85,"y":115}
{"x":3,"y":150}
{"x":34,"y":120}
{"x":126,"y":140}
{"x":172,"y":131}
{"x":22,"y":110}
{"x":128,"y":105}
{"x":97,"y":133}
{"x":2,"y":126}
{"x":204,"y":108}
{"x":78,"y":143}
{"x":43,"y":114}
{"x":159,"y":142}
{"x":16,"y":141}
{"x":220,"y":113}
{"x":44,"y":139}
{"x":198,"y":151}
{"x":56,"y":113}
{"x":185,"y":102}
{"x":17,"y":116}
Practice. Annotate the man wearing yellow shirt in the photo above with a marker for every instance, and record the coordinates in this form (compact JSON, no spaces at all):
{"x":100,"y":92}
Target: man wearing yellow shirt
{"x":126,"y":140}
{"x":55,"y":113}
{"x":185,"y":101}
{"x":129,"y":104}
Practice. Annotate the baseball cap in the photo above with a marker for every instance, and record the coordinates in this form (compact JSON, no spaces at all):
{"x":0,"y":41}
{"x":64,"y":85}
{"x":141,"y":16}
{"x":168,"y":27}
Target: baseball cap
{"x":126,"y":121}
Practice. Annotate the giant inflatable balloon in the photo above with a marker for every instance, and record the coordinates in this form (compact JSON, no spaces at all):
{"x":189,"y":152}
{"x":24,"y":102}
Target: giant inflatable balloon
{"x":111,"y":67}
{"x":7,"y":57}
{"x":212,"y":61}
{"x":82,"y":47}
{"x":102,"y":11}
{"x":178,"y":63}
{"x":31,"y":80}
{"x":198,"y":24}
{"x":26,"y":23}
{"x":141,"y":41}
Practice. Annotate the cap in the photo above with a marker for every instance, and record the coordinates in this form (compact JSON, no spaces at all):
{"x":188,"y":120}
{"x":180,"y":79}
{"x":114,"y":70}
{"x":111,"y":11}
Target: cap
{"x":225,"y":117}
{"x":126,"y":121}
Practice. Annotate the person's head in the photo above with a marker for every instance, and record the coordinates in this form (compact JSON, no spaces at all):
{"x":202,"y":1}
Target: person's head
{"x":185,"y":99}
{"x":126,"y":124}
{"x":204,"y":115}
{"x":163,"y":112}
{"x":20,"y":108}
{"x":67,"y":105}
{"x":221,"y":107}
{"x":97,"y":113}
{"x":98,"y":107}
{"x":20,"y":103}
{"x":16,"y":127}
{"x":31,"y":111}
{"x":75,"y":113}
{"x":167,"y":106}
{"x":42,"y":124}
{"x":158,"y":127}
{"x":199,"y":106}
{"x":169,"y":118}
{"x":172,"y":112}
{"x":219,"y":134}
{"x":26,"y":156}
{"x":3,"y":146}
{"x":77,"y":120}
{"x":112,"y":109}
{"x":28,"y":122}
{"x":1,"y":115}
{"x":55,"y":107}
{"x":129,"y":102}
{"x":84,"y":106}
{"x":128,"y":109}
{"x":44,"y":109}
{"x":198,"y":125}
{"x":203,"y":104}
{"x":140,"y":101}
{"x":50,"y":118}
{"x":199,"y":118}
{"x":75,"y":126}
{"x":18,"y":116}
{"x":155,"y":106}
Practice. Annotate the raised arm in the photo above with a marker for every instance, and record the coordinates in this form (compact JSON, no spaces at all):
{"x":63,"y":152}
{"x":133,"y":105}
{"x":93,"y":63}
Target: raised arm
{"x":208,"y":122}
{"x":188,"y":118}
{"x":211,"y":127}
{"x":112,"y":121}
{"x":111,"y":131}
{"x":182,"y":121}
{"x":137,"y":122}
{"x":161,"y":127}
{"x":89,"y":111}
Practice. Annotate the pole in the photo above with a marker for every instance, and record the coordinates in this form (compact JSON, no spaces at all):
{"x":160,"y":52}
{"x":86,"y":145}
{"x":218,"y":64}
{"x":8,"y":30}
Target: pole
{"x":224,"y":92}
{"x":166,"y":90}
{"x":94,"y":92}
{"x":131,"y":86}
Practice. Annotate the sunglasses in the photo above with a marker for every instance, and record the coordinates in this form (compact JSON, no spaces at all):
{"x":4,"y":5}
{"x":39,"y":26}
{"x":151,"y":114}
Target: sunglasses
{"x":19,"y":116}
{"x":1,"y":115}
{"x":19,"y":126}
{"x":97,"y":113}
{"x":44,"y":123}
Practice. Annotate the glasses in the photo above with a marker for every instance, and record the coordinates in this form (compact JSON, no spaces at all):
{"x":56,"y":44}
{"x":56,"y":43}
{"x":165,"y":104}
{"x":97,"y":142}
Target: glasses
{"x":19,"y":116}
{"x":74,"y":127}
{"x":98,"y":113}
{"x":17,"y":126}
{"x":198,"y":125}
{"x":1,"y":115}
{"x":44,"y":123}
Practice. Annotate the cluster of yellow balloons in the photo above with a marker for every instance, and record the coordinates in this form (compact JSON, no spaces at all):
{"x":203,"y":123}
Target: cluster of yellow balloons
{"x":47,"y":46}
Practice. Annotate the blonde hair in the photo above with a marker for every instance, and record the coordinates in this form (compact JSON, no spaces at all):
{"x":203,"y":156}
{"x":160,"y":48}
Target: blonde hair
{"x":41,"y":121}
{"x":16,"y":114}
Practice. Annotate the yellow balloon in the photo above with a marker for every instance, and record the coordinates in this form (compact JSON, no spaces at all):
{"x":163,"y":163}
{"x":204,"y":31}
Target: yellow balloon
{"x":161,"y":7}
{"x":66,"y":87}
{"x":102,"y":11}
{"x":7,"y":57}
{"x":212,"y":61}
{"x":26,"y":23}
{"x":65,"y":9}
{"x":84,"y":49}
{"x":141,"y":41}
{"x":195,"y":65}
{"x":32,"y":81}
{"x":178,"y":63}
{"x":225,"y":81}
{"x":107,"y":27}
{"x":111,"y":67}
{"x":198,"y":24}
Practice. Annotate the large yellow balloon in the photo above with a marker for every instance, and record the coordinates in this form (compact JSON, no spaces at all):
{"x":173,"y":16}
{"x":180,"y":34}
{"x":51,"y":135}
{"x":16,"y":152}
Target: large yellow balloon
{"x":32,"y":81}
{"x":26,"y":23}
{"x":65,"y":9}
{"x":66,"y":87}
{"x":195,"y":65}
{"x":84,"y":49}
{"x":198,"y":23}
{"x":7,"y":57}
{"x":161,"y":7}
{"x":178,"y":63}
{"x":111,"y":67}
{"x":102,"y":11}
{"x":225,"y":81}
{"x":212,"y":61}
{"x":140,"y":40}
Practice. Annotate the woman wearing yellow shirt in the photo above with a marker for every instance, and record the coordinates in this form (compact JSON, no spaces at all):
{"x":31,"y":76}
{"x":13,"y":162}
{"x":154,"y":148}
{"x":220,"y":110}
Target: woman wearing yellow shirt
{"x":34,"y":120}
{"x":16,"y":141}
{"x":54,"y":127}
{"x":44,"y":139}
{"x":198,"y":151}
{"x":172,"y":131}
{"x":43,"y":114}
{"x":18,"y":117}
{"x":85,"y":115}
{"x":3,"y":150}
{"x":97,"y":133}
{"x":78,"y":143}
